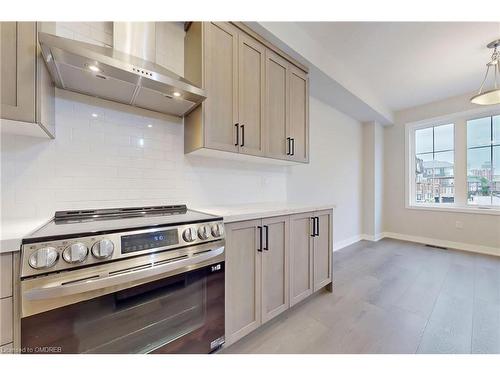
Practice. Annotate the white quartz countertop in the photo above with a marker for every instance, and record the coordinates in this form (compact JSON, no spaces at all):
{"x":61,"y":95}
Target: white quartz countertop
{"x":261,"y":210}
{"x":13,"y":231}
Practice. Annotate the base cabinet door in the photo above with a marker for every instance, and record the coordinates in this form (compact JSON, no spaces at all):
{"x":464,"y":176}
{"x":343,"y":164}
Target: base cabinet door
{"x":243,"y":279}
{"x":322,"y":249}
{"x":301,"y":257}
{"x":275,"y":264}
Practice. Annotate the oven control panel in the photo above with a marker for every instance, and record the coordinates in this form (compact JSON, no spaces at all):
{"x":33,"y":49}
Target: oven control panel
{"x":54,"y":256}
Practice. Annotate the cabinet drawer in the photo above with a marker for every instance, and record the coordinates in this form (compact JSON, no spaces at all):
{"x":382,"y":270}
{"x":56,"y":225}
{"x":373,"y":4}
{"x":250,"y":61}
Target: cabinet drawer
{"x":6,"y":321}
{"x":6,"y":275}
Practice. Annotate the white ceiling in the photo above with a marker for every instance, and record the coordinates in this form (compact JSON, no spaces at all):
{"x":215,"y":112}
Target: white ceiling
{"x":409,"y":63}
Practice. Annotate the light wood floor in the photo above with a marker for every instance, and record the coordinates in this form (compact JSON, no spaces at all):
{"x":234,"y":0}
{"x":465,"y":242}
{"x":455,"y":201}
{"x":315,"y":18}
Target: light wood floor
{"x":393,"y":297}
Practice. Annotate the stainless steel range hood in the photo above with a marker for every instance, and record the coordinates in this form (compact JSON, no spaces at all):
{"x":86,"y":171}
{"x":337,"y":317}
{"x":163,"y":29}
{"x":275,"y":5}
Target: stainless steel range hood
{"x":113,"y":75}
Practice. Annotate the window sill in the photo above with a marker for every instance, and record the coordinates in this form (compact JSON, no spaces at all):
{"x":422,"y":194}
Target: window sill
{"x":462,"y":209}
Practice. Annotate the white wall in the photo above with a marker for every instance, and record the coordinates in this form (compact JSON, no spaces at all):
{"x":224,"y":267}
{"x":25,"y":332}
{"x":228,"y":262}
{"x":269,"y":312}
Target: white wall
{"x":478,"y":229}
{"x":373,"y":181}
{"x":334,"y":174}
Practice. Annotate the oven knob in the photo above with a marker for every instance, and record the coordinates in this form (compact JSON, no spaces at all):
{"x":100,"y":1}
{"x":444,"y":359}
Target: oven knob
{"x":75,"y":253}
{"x":43,"y":258}
{"x":203,"y":232}
{"x":103,"y":249}
{"x":217,"y":230}
{"x":189,"y":234}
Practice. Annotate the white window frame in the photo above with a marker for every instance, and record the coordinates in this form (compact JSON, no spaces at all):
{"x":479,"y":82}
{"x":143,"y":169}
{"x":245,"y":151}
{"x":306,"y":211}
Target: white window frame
{"x":489,"y":206}
{"x":459,"y":120}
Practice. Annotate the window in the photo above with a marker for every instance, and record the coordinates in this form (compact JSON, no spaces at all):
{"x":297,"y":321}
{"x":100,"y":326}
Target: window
{"x":483,"y":161}
{"x":434,"y":164}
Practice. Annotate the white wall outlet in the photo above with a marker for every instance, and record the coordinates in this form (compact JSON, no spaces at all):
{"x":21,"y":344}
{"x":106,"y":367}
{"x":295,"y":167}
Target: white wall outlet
{"x":459,"y":224}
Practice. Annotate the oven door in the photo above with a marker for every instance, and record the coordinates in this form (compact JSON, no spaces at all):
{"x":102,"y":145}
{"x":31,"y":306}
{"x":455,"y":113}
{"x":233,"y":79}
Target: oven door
{"x":171,"y":306}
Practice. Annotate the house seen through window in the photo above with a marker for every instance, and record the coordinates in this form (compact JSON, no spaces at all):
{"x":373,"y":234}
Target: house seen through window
{"x":483,"y":161}
{"x":434,"y":164}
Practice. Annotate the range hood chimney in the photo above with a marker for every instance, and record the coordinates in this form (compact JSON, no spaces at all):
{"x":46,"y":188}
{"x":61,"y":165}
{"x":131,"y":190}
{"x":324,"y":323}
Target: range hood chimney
{"x":127,"y":73}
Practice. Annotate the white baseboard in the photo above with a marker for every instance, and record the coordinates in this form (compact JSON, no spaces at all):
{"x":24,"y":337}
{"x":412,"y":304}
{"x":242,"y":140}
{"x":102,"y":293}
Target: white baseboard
{"x":418,"y":239}
{"x":337,"y":245}
{"x":444,"y":243}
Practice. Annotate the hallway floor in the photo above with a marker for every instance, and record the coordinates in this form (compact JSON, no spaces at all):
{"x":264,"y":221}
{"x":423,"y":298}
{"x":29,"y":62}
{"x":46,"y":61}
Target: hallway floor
{"x":393,"y":297}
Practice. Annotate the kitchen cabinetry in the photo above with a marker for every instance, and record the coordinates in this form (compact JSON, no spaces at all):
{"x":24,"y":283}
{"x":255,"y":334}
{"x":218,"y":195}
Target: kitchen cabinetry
{"x":6,"y":302}
{"x":256,"y":274}
{"x":243,"y":278}
{"x":252,"y":87}
{"x":272,"y":264}
{"x":27,"y":100}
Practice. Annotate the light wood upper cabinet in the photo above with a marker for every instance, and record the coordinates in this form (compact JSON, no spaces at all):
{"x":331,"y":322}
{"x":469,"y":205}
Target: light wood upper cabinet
{"x":257,"y":100}
{"x":275,"y":264}
{"x":243,"y":279}
{"x":221,"y":83}
{"x":251,"y":95}
{"x":27,"y":90}
{"x":277,"y":105}
{"x":299,"y":115}
{"x":301,"y":257}
{"x":323,"y":249}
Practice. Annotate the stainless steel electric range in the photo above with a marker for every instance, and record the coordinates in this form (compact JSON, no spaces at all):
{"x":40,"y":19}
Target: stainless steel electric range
{"x":126,"y":280}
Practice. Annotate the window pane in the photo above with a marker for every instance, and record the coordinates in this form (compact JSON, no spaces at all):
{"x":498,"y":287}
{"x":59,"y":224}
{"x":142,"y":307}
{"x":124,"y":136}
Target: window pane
{"x":479,"y":132}
{"x":496,"y":130}
{"x":423,"y":140}
{"x":423,"y":179}
{"x":495,"y":183}
{"x":443,"y":137}
{"x":479,"y":176}
{"x":444,"y":183}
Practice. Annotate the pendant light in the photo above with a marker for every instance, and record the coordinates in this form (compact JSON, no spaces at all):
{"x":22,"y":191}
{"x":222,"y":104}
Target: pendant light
{"x":492,"y":96}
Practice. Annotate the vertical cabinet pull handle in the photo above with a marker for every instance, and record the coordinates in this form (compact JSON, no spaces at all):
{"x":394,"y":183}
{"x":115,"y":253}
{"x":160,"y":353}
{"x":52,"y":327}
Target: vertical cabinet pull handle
{"x":260,"y":238}
{"x":317,"y":225}
{"x":288,"y":146}
{"x":237,"y":134}
{"x":293,"y":146}
{"x":313,"y":221}
{"x":267,"y":237}
{"x":242,"y":135}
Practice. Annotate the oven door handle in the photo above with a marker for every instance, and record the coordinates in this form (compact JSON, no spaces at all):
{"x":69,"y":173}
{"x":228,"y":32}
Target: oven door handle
{"x":122,"y":278}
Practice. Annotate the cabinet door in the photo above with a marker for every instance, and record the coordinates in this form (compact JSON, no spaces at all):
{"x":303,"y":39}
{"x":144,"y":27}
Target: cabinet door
{"x":275,"y":267}
{"x":18,"y":52}
{"x":299,"y":114}
{"x":323,"y":250}
{"x":243,"y":279}
{"x":277,"y":106}
{"x":251,"y":95}
{"x":301,"y":257}
{"x":221,"y":83}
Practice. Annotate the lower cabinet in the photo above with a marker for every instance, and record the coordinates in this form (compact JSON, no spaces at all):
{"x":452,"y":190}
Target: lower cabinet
{"x":273,"y":263}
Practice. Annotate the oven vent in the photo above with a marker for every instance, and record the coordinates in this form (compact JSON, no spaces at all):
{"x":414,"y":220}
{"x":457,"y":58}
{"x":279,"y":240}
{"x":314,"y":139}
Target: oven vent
{"x":65,"y":216}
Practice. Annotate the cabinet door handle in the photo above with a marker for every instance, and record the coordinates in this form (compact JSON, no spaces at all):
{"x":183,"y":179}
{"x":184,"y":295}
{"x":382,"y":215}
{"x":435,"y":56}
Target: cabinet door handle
{"x":288,"y":146}
{"x":260,"y":239}
{"x":237,"y":134}
{"x":267,"y":237}
{"x":313,"y":221}
{"x":242,"y":135}
{"x":293,"y":146}
{"x":317,"y":225}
